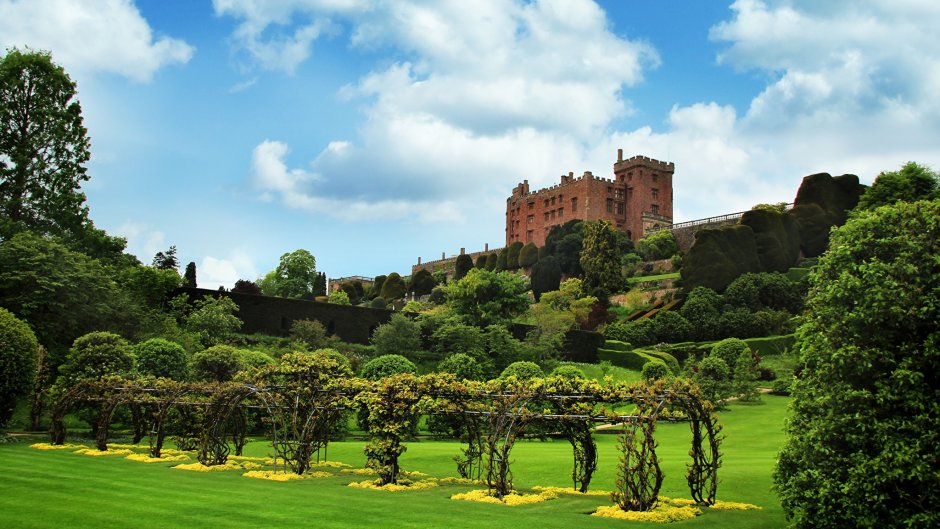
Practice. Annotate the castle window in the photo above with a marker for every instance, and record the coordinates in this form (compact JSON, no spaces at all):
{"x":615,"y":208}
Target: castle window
{"x":546,"y":216}
{"x":574,"y":204}
{"x":618,"y":194}
{"x":610,"y":190}
{"x":620,"y":208}
{"x":530,"y":220}
{"x":655,"y":193}
{"x":553,"y":201}
{"x":546,"y":203}
{"x":531,"y":205}
{"x":528,"y":235}
{"x":655,"y":209}
{"x":610,"y":205}
{"x":553,"y":214}
{"x":561,"y":212}
{"x":655,"y":177}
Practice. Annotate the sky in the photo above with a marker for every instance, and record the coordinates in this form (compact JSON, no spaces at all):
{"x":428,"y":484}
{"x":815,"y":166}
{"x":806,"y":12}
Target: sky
{"x":371,"y":133}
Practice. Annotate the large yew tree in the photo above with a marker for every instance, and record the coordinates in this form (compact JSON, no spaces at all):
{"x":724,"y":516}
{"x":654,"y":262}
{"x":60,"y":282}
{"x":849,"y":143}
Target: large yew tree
{"x":43,"y":147}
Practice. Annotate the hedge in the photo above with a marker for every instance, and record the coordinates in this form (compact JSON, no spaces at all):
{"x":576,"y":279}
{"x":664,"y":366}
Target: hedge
{"x":771,"y":345}
{"x":634,"y":360}
{"x":671,"y":362}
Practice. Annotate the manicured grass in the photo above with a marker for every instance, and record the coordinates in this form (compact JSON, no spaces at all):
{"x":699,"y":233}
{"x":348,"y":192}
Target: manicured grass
{"x":641,"y":279}
{"x":46,"y":489}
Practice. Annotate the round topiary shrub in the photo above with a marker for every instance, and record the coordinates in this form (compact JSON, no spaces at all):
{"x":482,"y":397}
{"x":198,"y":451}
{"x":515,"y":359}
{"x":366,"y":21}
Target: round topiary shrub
{"x":94,"y":356}
{"x":567,"y":371}
{"x":463,"y":366}
{"x":729,"y":350}
{"x":218,"y":363}
{"x":714,"y":377}
{"x":653,"y":371}
{"x":162,"y":358}
{"x":523,"y":370}
{"x":255,"y":359}
{"x":18,"y":349}
{"x":387,"y":365}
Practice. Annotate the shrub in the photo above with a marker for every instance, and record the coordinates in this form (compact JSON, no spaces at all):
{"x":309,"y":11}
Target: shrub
{"x":213,"y":319}
{"x":463,"y":366}
{"x":453,"y":337}
{"x":653,"y":371}
{"x":782,"y":385}
{"x":777,"y":236}
{"x":567,"y":371}
{"x":658,"y":245}
{"x":338,"y":297}
{"x":94,"y":356}
{"x":545,"y":277}
{"x":718,"y":256}
{"x":634,"y":360}
{"x":523,"y":370}
{"x":462,"y":265}
{"x":394,"y":287}
{"x":387,"y":365}
{"x":639,"y":333}
{"x":309,"y":332}
{"x":378,"y":303}
{"x":671,"y":362}
{"x":671,"y":327}
{"x":218,"y":363}
{"x":529,"y":255}
{"x":702,"y":308}
{"x":422,"y":282}
{"x":744,"y":377}
{"x":254,"y":359}
{"x":162,"y":358}
{"x":18,"y":354}
{"x":714,"y":378}
{"x":400,"y":336}
{"x":729,"y":350}
{"x":512,"y":255}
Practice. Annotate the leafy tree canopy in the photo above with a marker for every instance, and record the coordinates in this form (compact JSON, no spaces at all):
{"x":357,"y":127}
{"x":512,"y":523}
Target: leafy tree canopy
{"x":483,"y":298}
{"x":657,"y":245}
{"x":294,"y":277}
{"x":600,"y":257}
{"x":167,"y":260}
{"x":862,"y":438}
{"x":18,"y":352}
{"x":43,"y":147}
{"x":911,"y":183}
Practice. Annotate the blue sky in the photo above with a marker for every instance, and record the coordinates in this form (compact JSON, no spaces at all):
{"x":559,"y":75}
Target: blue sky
{"x":374,"y":132}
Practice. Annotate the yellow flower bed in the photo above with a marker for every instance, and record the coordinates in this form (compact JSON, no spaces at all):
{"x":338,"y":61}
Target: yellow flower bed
{"x":145,"y":458}
{"x":733,"y":506}
{"x":96,"y":452}
{"x":513,"y":500}
{"x":229,"y":465}
{"x":677,"y":502}
{"x":359,"y":471}
{"x":573,"y":492}
{"x":271,"y":475}
{"x":459,"y":481}
{"x":415,"y":485}
{"x":331,"y":464}
{"x":661,"y":514}
{"x":47,"y":446}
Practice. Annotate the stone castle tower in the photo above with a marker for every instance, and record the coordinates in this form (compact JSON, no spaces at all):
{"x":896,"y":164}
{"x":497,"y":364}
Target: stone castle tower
{"x":636,"y":199}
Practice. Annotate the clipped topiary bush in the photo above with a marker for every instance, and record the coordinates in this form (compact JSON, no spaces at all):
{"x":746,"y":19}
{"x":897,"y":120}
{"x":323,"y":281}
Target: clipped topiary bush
{"x":218,"y":363}
{"x":387,"y":365}
{"x":653,"y":371}
{"x":670,"y":361}
{"x":162,"y":358}
{"x":567,"y":371}
{"x":94,"y":356}
{"x":729,"y":350}
{"x":462,"y":366}
{"x":522,"y":370}
{"x":18,"y":350}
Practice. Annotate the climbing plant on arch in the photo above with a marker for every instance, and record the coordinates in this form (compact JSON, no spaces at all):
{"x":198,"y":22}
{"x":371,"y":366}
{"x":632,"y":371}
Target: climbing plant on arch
{"x":303,"y":397}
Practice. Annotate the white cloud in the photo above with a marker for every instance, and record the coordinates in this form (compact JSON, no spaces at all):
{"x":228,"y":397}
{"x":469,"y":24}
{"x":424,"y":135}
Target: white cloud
{"x":91,"y":36}
{"x":483,"y":95}
{"x":143,"y":240}
{"x":214,"y":272}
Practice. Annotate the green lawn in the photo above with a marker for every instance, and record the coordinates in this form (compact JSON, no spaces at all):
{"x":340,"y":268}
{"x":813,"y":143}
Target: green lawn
{"x":658,"y":277}
{"x":61,"y":489}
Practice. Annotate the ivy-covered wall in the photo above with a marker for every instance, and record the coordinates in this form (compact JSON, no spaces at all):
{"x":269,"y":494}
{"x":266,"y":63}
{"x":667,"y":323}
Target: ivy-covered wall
{"x":271,"y":315}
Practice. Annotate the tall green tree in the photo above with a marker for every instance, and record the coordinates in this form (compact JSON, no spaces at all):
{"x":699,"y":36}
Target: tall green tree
{"x":294,"y":277}
{"x":911,"y":183}
{"x":861,"y":447}
{"x":512,"y":255}
{"x":393,"y":287}
{"x":18,"y":353}
{"x":483,"y":297}
{"x":167,"y":260}
{"x":43,"y":147}
{"x":600,"y":258}
{"x":528,"y":255}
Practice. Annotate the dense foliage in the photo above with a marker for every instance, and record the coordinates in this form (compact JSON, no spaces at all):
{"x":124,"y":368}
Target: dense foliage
{"x":386,"y":366}
{"x":18,"y":350}
{"x":863,"y":437}
{"x":600,"y":257}
{"x":95,"y":356}
{"x":911,"y":183}
{"x":162,"y":358}
{"x":400,"y":336}
{"x":218,"y":363}
{"x":483,"y":297}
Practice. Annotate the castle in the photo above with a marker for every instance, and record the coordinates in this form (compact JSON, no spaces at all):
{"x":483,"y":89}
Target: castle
{"x":636,"y":201}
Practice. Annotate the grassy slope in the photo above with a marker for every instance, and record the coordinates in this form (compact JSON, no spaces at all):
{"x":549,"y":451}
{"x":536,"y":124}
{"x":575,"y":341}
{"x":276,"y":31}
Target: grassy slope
{"x":61,"y":489}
